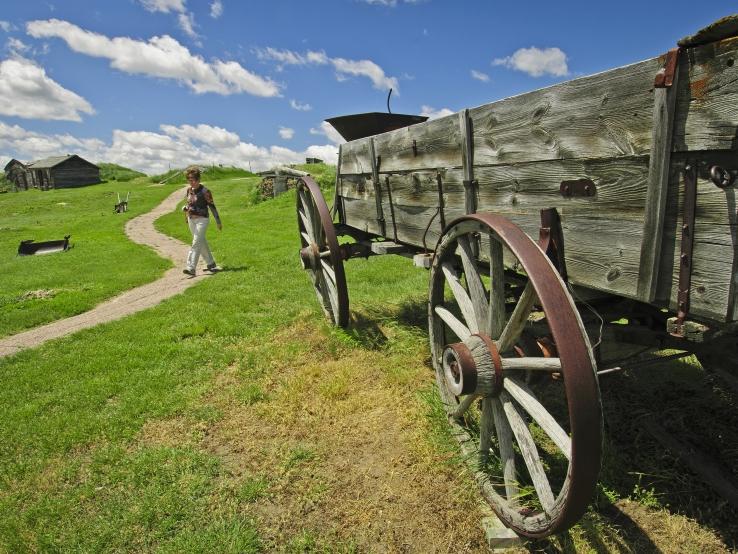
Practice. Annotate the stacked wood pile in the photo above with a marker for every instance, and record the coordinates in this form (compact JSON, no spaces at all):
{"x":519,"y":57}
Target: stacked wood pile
{"x":615,"y":130}
{"x":278,"y":180}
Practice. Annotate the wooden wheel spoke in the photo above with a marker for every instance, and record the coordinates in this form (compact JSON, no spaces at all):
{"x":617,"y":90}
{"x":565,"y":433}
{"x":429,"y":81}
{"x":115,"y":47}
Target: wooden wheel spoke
{"x":526,"y":398}
{"x":507,"y":453}
{"x":530,"y":453}
{"x":497,"y":312}
{"x":464,"y":405}
{"x":329,"y":278}
{"x":461,"y":330}
{"x":308,"y":225}
{"x":532,"y":364}
{"x":485,"y":429}
{"x":461,"y":296}
{"x":474,"y":282}
{"x":305,"y":237}
{"x":518,"y":319}
{"x":329,"y":271}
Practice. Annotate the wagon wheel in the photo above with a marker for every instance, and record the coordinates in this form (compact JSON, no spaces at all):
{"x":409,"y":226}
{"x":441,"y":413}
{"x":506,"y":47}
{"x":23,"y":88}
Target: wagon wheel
{"x":534,"y":445}
{"x":320,"y":254}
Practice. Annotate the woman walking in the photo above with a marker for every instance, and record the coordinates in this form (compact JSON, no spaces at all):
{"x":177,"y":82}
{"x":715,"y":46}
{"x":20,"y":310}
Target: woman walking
{"x":199,"y":202}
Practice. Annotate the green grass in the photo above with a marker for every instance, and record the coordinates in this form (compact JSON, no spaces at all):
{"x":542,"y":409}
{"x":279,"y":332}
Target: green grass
{"x":85,"y":396}
{"x":101,"y":262}
{"x":115,"y":172}
{"x":209,"y":173}
{"x":105,"y":434}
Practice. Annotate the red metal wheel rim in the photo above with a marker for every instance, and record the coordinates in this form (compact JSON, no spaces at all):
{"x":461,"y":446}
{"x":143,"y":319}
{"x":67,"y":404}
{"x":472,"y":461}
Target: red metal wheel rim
{"x":578,"y":367}
{"x":341,"y":318}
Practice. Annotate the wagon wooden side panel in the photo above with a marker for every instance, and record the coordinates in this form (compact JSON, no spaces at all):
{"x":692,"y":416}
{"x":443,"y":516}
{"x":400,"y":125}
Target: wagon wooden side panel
{"x":598,"y":128}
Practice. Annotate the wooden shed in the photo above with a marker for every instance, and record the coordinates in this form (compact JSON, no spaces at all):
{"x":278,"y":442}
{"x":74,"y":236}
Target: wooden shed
{"x":15,"y":172}
{"x":62,"y":172}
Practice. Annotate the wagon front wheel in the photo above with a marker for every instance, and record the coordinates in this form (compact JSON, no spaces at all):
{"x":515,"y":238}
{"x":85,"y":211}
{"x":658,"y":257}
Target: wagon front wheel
{"x":534,"y":444}
{"x":320,"y":254}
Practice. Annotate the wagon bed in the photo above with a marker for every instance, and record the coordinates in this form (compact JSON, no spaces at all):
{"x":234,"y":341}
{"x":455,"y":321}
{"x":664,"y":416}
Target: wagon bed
{"x":629,"y":140}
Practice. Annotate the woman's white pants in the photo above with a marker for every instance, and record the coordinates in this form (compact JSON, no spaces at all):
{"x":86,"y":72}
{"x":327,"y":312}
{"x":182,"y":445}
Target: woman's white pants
{"x":198,"y":228}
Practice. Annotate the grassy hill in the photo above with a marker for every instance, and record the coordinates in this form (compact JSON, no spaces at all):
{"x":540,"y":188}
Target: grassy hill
{"x":114,"y":172}
{"x":209,"y":173}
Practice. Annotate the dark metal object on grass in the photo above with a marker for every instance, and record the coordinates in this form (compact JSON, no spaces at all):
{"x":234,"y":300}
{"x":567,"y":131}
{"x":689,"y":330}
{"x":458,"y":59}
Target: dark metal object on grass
{"x":33,"y":248}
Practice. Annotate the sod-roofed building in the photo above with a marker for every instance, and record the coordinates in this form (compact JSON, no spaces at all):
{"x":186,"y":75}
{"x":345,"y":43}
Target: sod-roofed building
{"x":15,"y":172}
{"x":62,"y":172}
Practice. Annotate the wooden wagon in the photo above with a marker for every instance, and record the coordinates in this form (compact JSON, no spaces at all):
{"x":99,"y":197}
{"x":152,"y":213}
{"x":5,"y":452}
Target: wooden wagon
{"x":606,"y":197}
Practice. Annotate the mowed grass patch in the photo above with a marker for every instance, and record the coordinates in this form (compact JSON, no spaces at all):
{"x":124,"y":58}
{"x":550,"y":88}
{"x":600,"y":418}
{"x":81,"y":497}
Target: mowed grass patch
{"x":101,"y":263}
{"x":101,"y":387}
{"x":233,"y":418}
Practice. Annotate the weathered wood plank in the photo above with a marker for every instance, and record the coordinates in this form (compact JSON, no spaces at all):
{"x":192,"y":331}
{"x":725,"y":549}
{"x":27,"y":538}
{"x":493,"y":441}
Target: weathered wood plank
{"x":658,"y":185}
{"x":604,"y":115}
{"x":706,"y":116}
{"x":356,"y":157}
{"x":432,"y":144}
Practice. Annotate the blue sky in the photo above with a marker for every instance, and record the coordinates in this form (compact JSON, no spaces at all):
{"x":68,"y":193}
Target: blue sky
{"x":151,"y":84}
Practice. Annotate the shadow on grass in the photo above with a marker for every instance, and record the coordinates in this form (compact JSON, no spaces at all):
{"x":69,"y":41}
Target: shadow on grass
{"x":607,"y":530}
{"x":365,"y":330}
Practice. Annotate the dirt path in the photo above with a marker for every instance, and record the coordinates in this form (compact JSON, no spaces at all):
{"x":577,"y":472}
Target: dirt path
{"x":141,"y":230}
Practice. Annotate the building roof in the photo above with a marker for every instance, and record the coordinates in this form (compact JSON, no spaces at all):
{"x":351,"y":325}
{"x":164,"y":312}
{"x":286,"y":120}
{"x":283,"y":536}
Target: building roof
{"x":13,"y":162}
{"x":53,"y":161}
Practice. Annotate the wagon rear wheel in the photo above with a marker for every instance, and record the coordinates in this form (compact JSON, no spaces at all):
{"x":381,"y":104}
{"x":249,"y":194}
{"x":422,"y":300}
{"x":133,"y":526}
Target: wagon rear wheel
{"x":320,"y":254}
{"x":534,"y":444}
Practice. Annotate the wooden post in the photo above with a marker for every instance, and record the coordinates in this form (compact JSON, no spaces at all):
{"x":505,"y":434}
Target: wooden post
{"x":377,"y":189}
{"x":658,"y":183}
{"x":467,"y":162}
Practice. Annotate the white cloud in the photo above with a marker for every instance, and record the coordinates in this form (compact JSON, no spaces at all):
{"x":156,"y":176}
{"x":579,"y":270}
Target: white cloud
{"x":17,"y":142}
{"x":6,"y":26}
{"x":155,"y":152}
{"x":16,"y":47}
{"x":28,"y":92}
{"x":391,"y":3}
{"x":286,"y":133}
{"x":433,"y":113}
{"x":185,"y":19}
{"x":295,"y":105}
{"x":187,"y":24}
{"x":216,"y":9}
{"x":478,"y":75}
{"x":161,"y":56}
{"x":536,"y":62}
{"x":344,"y":68}
{"x":164,"y":6}
{"x":217,"y":137}
{"x":327,"y":130}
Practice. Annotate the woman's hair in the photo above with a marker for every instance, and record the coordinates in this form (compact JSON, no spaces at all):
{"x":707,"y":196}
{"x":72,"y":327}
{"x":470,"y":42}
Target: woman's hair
{"x":193,"y":171}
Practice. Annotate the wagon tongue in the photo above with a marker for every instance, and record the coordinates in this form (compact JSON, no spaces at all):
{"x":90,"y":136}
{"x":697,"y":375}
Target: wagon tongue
{"x":360,"y":125}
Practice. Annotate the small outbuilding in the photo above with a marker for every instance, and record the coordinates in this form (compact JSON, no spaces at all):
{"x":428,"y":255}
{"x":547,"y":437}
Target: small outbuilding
{"x":15,"y":172}
{"x":61,"y":172}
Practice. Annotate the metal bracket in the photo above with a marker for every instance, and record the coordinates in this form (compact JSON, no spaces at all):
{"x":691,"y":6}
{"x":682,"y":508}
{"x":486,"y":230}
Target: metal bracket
{"x":551,"y":240}
{"x":685,"y":257}
{"x":665,"y":76}
{"x":578,"y":187}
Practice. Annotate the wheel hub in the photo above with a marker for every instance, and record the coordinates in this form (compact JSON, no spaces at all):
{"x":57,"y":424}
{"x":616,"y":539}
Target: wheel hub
{"x":310,"y":256}
{"x":473,"y":366}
